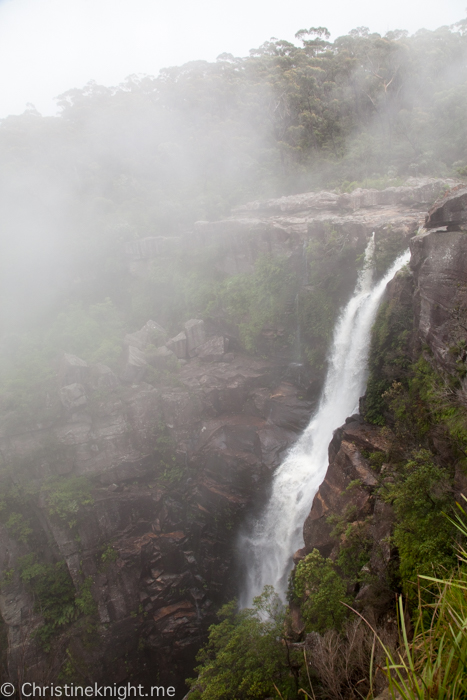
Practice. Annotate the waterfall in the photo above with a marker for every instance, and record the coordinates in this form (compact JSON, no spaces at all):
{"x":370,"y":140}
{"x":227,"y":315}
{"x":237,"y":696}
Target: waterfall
{"x":268,"y":549}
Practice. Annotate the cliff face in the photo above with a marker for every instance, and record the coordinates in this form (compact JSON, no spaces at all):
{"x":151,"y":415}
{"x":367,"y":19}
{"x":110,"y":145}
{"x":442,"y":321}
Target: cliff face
{"x":431,"y":297}
{"x":169,"y":472}
{"x":137,"y":483}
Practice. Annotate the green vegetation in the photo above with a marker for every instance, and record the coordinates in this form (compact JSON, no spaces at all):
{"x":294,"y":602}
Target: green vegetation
{"x":169,"y":469}
{"x":245,"y":657}
{"x":19,"y":527}
{"x":331,"y":272}
{"x":428,"y":399}
{"x":389,"y":359}
{"x":66,"y":495}
{"x":258,"y":300}
{"x":388,"y":246}
{"x":109,"y":555}
{"x":54,"y":595}
{"x":354,"y":551}
{"x":363,"y":110}
{"x":432,"y":661}
{"x":421,"y":495}
{"x":320,"y":590}
{"x":14,"y":511}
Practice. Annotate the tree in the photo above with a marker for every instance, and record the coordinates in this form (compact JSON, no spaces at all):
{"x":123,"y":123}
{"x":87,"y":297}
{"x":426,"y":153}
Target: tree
{"x":246,"y":655}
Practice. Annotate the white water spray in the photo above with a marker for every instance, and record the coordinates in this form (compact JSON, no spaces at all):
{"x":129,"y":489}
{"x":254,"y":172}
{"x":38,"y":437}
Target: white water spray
{"x":268,"y":550}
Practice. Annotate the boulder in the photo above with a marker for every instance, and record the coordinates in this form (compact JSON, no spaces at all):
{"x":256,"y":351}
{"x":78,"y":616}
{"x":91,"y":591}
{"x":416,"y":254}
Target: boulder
{"x":102,"y":378}
{"x":161,"y":358}
{"x":135,"y":365}
{"x":151,"y":332}
{"x":72,"y":370}
{"x":213,"y":350}
{"x":138,"y":339}
{"x":195,"y":335}
{"x":156,"y":333}
{"x":73,"y":396}
{"x":178,"y":345}
{"x":286,"y":410}
{"x":450,"y":211}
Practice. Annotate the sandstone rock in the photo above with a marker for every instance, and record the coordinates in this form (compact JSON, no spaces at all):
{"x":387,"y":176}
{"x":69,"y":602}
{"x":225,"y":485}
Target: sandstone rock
{"x":450,"y":211}
{"x":346,"y":465}
{"x":151,"y":247}
{"x":417,"y":192}
{"x":19,"y":613}
{"x":212,"y":350}
{"x":151,"y":332}
{"x":162,"y":358}
{"x":439,"y":261}
{"x":135,"y":365}
{"x":73,"y":396}
{"x":195,"y":334}
{"x":286,"y":410}
{"x":179,"y":408}
{"x":230,"y":424}
{"x":72,"y":369}
{"x":138,"y":339}
{"x":224,"y":387}
{"x":155,"y":331}
{"x":101,"y":378}
{"x":258,"y":402}
{"x":178,"y":345}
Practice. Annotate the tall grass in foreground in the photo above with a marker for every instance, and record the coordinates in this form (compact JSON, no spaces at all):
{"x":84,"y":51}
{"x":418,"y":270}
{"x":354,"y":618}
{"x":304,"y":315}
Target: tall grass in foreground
{"x":433,"y":665}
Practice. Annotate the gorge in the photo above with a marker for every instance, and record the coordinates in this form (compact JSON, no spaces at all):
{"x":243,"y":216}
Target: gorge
{"x":125,"y":490}
{"x":220,"y":369}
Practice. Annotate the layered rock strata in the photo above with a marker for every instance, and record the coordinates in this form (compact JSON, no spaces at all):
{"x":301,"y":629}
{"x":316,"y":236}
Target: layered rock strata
{"x":172,"y":464}
{"x":436,"y":292}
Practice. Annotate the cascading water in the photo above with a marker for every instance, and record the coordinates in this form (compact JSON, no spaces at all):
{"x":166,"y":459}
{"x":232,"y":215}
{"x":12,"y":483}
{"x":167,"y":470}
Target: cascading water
{"x":267,"y":551}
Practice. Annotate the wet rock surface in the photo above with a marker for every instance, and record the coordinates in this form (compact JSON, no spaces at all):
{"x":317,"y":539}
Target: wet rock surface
{"x":348,"y":483}
{"x":436,"y":290}
{"x":173,"y":465}
{"x":450,"y":211}
{"x":172,"y":469}
{"x":439,"y":261}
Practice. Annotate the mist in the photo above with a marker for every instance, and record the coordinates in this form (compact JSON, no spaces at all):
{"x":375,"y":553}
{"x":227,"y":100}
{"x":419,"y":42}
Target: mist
{"x":167,"y":311}
{"x":154,"y":154}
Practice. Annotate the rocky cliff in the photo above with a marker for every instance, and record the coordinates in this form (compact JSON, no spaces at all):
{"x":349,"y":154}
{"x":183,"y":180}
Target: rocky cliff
{"x":417,"y":366}
{"x":128,"y":487}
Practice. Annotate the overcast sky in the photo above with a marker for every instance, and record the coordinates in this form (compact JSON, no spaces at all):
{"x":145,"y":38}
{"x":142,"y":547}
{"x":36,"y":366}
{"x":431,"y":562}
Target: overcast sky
{"x":50,"y":46}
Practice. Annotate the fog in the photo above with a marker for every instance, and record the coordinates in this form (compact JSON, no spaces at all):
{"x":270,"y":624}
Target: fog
{"x":214,"y":114}
{"x":155,"y":154}
{"x":49,"y":46}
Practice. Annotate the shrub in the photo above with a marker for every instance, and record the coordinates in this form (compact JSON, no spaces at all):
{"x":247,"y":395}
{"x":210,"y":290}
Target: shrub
{"x":420,"y":496}
{"x":321,"y":592}
{"x":433,"y":664}
{"x":54,"y":595}
{"x":19,"y":527}
{"x":245,"y":657}
{"x":66,"y":495}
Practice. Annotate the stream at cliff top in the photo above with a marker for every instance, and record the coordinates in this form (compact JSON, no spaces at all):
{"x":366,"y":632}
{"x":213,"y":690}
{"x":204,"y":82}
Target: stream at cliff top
{"x":268,"y":548}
